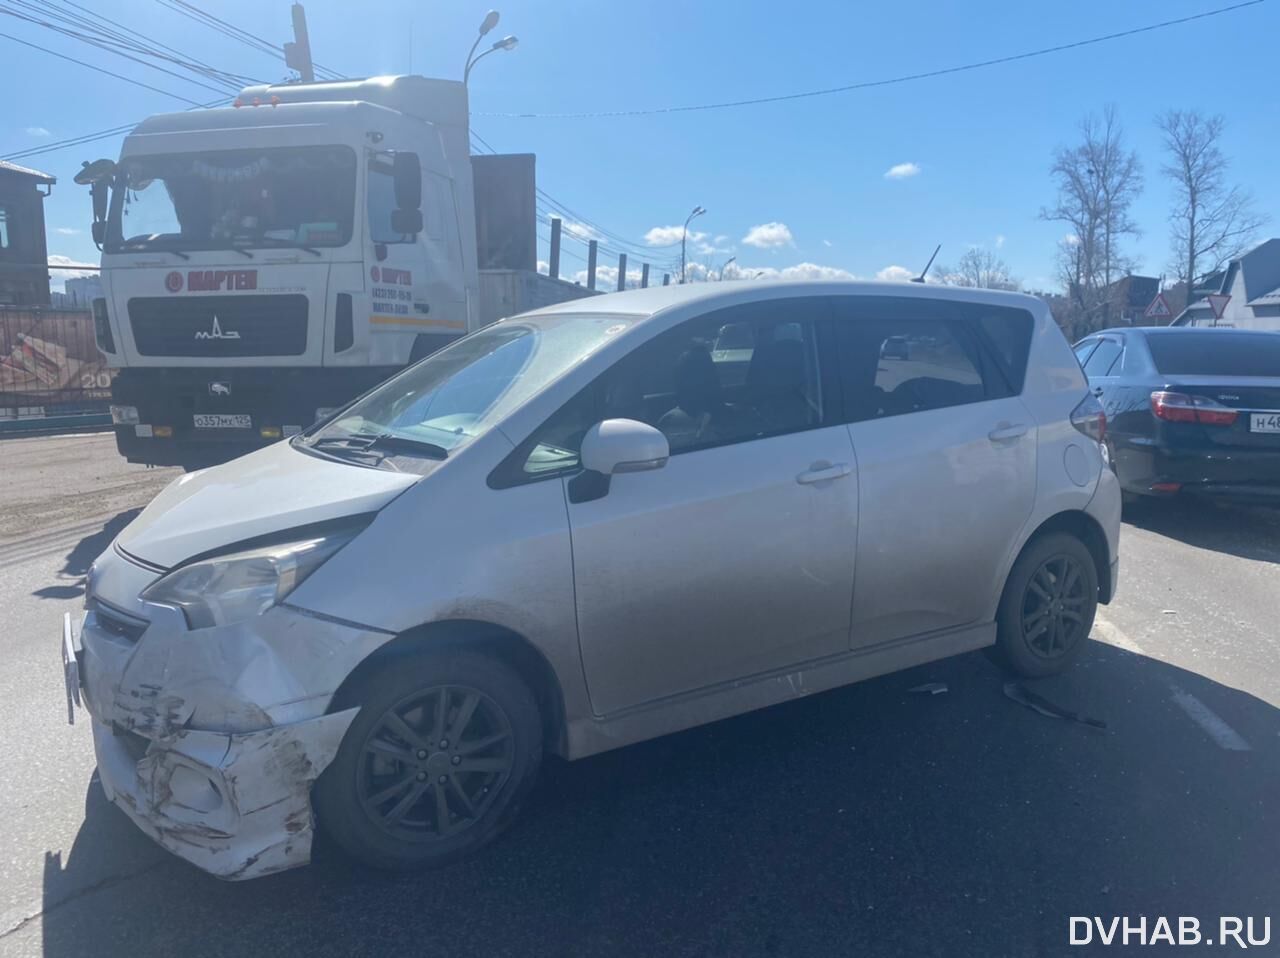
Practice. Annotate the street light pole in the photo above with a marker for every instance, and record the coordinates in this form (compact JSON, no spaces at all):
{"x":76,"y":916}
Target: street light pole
{"x":506,"y":43}
{"x":684,"y":236}
{"x":726,"y":266}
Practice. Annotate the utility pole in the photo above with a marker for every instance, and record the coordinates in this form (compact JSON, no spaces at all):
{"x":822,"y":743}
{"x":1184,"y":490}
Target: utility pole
{"x":644,"y":275}
{"x":622,"y":271}
{"x":297,"y":55}
{"x":553,"y":267}
{"x":591,"y":264}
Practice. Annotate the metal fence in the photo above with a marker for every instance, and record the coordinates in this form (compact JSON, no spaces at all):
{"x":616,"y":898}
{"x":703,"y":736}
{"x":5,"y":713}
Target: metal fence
{"x":50,"y":364}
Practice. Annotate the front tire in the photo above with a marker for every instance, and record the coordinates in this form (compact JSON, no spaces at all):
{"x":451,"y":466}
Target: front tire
{"x":446,"y":745}
{"x":1048,"y":605}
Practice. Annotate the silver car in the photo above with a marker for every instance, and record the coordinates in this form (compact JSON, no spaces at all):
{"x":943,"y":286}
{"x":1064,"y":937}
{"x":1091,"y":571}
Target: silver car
{"x":577,"y":529}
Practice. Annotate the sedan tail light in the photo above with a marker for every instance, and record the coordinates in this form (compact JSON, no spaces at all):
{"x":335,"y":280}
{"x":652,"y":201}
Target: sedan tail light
{"x":1090,"y":418}
{"x":1180,"y":407}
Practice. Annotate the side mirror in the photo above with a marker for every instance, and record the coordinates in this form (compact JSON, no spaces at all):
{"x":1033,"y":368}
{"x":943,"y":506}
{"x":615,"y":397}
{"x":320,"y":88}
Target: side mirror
{"x":99,"y":233}
{"x":98,"y":194}
{"x":406,"y":177}
{"x":406,"y":222}
{"x":623,"y":445}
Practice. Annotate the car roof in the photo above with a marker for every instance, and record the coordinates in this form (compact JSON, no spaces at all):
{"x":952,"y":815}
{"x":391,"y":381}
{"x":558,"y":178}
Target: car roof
{"x":656,"y":299}
{"x":1184,"y":331}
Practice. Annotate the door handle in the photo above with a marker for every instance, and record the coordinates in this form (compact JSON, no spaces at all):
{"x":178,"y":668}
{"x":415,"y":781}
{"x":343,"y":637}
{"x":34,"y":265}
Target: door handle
{"x":1007,"y":430}
{"x":823,"y":473}
{"x":1097,"y":390}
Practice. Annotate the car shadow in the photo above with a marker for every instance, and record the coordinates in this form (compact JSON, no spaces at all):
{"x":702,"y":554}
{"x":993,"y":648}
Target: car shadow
{"x":868,"y":820}
{"x":76,"y":564}
{"x":1247,"y":531}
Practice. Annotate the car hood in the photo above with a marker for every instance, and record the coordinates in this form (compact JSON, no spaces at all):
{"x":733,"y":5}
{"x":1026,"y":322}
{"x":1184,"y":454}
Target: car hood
{"x":268,"y":491}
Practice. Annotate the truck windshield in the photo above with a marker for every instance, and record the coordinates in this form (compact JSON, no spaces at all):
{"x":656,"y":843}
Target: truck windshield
{"x":279,"y":197}
{"x":459,"y":393}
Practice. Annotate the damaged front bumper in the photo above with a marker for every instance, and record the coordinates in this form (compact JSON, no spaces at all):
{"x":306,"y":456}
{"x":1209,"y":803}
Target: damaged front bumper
{"x":236,"y":805}
{"x":210,"y":740}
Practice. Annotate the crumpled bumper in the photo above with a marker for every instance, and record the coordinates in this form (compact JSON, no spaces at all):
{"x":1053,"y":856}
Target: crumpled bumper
{"x":236,"y":805}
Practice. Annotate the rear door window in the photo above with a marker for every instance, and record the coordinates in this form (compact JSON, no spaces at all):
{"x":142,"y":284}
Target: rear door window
{"x":1103,"y":358}
{"x":894,"y":365}
{"x":1082,"y":350}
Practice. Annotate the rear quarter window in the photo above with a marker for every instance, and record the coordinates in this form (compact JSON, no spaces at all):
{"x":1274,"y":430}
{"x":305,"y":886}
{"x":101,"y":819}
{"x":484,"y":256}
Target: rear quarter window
{"x":1216,"y":354}
{"x":1007,"y":333}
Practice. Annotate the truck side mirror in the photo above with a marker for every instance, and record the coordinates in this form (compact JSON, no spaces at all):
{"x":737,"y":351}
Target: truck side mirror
{"x":98,"y":194}
{"x":406,"y":175}
{"x":99,"y":232}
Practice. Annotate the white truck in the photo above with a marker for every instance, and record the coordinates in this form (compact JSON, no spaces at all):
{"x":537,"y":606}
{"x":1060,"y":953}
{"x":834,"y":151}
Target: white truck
{"x":267,"y":262}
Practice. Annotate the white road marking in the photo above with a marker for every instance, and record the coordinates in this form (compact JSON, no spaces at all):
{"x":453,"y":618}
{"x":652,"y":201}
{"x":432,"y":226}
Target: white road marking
{"x":1210,"y":721}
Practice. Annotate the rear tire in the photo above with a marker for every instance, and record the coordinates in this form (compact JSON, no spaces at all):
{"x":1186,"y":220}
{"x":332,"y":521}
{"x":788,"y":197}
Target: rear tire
{"x":1048,"y":605}
{"x":446,"y":745}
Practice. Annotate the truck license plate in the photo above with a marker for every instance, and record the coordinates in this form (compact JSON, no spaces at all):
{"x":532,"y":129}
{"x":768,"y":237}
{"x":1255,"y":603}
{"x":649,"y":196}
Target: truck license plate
{"x":222,"y":421}
{"x":1264,"y":422}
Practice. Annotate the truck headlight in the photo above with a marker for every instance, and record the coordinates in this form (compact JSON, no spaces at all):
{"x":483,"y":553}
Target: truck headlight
{"x":234,"y":587}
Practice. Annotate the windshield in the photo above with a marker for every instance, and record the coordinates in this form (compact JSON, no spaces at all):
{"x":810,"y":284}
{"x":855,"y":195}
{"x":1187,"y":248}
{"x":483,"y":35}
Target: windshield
{"x":1216,"y":354}
{"x":459,"y":393}
{"x":281,"y":197}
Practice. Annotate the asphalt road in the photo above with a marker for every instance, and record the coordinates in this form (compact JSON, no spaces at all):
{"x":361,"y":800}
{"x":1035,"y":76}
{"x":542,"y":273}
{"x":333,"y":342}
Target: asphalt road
{"x":868,"y":821}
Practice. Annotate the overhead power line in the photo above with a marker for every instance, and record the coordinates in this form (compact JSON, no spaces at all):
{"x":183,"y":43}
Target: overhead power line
{"x":118,"y":76}
{"x":92,"y":137}
{"x":889,"y":81}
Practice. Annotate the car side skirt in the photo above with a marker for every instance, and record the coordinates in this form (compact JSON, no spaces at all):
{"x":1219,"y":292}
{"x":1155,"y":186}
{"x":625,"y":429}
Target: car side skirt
{"x":588,"y":735}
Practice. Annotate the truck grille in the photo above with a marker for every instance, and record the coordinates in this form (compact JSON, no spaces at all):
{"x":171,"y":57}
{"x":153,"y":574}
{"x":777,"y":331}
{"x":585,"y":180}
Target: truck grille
{"x":220,"y":326}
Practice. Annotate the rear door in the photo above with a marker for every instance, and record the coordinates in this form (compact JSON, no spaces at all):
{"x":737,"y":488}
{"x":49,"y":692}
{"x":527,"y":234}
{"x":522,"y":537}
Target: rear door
{"x":946,"y":455}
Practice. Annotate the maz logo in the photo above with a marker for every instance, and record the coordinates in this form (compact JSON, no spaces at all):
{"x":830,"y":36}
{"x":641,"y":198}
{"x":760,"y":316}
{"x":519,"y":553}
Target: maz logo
{"x":216,"y":332}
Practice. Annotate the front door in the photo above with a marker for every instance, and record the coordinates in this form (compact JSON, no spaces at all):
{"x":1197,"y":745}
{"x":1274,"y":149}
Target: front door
{"x":737,"y":557}
{"x":946,"y":457}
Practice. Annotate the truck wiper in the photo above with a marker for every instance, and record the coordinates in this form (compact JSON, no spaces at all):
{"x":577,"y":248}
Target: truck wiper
{"x":285,"y":244}
{"x":243,"y":252}
{"x":141,"y":245}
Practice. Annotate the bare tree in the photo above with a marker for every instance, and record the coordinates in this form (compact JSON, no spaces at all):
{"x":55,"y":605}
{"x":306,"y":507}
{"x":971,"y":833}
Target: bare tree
{"x":1211,"y":221}
{"x":981,"y":268}
{"x":1098,"y":180}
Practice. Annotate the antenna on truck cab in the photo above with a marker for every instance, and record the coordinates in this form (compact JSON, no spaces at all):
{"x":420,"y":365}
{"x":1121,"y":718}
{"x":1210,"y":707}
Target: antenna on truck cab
{"x":925,"y":271}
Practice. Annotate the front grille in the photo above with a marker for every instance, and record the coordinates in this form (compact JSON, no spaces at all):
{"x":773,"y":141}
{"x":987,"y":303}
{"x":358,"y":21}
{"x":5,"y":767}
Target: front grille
{"x":216,"y":327}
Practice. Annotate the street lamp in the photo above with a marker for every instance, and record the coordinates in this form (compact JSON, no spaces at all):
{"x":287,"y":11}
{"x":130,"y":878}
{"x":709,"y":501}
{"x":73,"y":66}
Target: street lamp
{"x":726,"y":266}
{"x":506,"y":43}
{"x":684,"y":236}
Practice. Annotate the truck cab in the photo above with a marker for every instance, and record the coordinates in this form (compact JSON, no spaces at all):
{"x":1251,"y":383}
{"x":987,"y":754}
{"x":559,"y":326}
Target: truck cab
{"x":266,"y":262}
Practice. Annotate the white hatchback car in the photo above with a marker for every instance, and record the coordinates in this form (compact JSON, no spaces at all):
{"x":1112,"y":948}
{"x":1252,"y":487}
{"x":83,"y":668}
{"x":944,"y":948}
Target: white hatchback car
{"x":577,"y":529}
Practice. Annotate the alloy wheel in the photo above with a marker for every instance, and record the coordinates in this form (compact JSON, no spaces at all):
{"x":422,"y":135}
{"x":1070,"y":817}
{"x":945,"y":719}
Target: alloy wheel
{"x":434,"y":763}
{"x":1053,"y":607}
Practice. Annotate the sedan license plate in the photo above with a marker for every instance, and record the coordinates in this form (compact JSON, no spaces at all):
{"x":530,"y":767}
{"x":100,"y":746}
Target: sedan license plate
{"x":1264,"y":422}
{"x":222,"y":421}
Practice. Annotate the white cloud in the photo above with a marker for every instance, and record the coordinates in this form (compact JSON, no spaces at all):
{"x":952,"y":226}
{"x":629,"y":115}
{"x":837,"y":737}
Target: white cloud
{"x":800,"y":271}
{"x":999,"y":240}
{"x":1071,"y":239}
{"x":769,"y":236}
{"x":58,"y":277}
{"x":710,"y":248}
{"x":667,"y":235}
{"x":544,"y":267}
{"x":901,"y":171}
{"x":827,"y":243}
{"x":607,"y":278}
{"x":37,"y":131}
{"x":580,"y":231}
{"x":895,"y":274}
{"x":721,"y":240}
{"x":67,"y":231}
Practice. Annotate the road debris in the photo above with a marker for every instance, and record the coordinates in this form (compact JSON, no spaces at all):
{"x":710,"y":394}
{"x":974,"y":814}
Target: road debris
{"x":930,"y":688}
{"x":1033,"y":700}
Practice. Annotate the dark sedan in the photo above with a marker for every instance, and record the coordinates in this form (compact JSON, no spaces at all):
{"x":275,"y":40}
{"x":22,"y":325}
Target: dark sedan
{"x":1189,"y":410}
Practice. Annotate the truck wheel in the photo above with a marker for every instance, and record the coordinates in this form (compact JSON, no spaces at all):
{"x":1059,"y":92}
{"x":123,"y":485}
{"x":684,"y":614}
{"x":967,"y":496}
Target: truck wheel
{"x":444,"y":748}
{"x":1048,"y":606}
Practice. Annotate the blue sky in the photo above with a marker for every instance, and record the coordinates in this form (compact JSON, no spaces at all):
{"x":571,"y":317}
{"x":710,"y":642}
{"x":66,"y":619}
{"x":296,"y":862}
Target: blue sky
{"x":812,"y":172}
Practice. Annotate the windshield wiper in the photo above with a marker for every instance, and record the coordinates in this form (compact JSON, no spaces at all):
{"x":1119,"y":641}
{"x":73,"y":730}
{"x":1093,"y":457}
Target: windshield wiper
{"x":242,"y":252}
{"x":142,"y":245}
{"x":285,"y":244}
{"x":373,"y":442}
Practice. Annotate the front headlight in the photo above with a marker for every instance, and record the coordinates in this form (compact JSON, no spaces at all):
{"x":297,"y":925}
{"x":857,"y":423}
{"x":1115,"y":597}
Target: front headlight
{"x":231,"y":588}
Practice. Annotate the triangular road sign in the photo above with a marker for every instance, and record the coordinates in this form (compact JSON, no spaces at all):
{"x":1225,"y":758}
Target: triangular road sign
{"x":1159,"y":308}
{"x":1218,"y":303}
